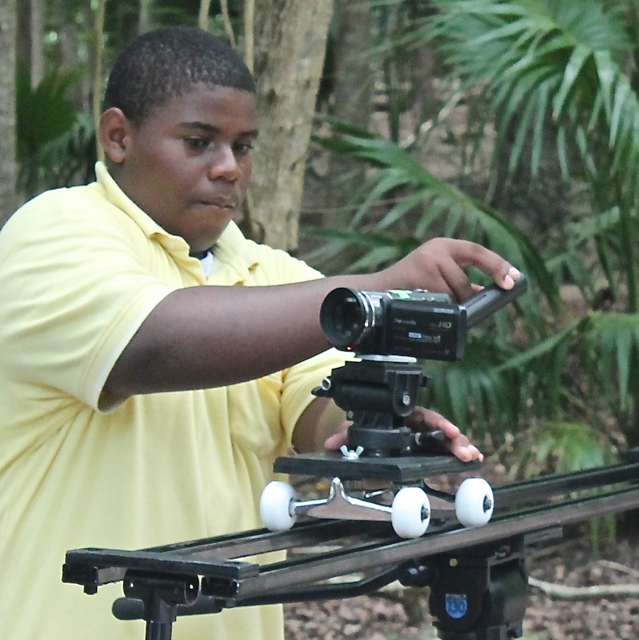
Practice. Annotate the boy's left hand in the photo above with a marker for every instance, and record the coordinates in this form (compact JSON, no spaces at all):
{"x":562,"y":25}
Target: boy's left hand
{"x":424,"y":420}
{"x":458,"y":444}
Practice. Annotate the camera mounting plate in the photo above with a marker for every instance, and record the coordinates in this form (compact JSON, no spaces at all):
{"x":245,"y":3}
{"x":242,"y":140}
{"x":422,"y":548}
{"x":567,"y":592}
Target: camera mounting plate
{"x":399,"y":469}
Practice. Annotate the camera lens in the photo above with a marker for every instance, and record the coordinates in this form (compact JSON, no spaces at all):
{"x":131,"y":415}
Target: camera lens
{"x":343,"y":317}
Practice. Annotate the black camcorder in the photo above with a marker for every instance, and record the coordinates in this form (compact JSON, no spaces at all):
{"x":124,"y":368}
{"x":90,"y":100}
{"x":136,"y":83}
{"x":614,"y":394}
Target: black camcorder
{"x":415,"y":323}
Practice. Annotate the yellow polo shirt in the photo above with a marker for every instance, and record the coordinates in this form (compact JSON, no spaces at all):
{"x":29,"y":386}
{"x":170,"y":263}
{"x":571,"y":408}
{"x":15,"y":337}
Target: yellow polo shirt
{"x":80,"y":270}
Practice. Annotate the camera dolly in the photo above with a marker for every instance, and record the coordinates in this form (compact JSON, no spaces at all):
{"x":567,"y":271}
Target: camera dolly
{"x":389,"y":331}
{"x":378,"y":394}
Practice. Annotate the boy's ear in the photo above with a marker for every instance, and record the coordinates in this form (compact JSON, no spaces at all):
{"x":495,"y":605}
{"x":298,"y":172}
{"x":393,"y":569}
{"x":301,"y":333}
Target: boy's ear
{"x":115,"y":134}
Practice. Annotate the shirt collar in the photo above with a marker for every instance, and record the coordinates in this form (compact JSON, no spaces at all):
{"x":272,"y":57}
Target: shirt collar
{"x":235,"y":252}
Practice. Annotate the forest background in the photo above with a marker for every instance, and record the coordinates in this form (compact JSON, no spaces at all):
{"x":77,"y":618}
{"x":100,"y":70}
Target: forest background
{"x":385,"y":122}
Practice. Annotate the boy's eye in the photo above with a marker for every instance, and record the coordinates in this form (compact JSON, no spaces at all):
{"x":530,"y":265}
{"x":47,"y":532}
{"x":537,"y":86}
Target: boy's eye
{"x":196,"y":143}
{"x":242,"y":149}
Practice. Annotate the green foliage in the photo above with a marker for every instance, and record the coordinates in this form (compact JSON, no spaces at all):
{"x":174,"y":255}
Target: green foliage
{"x":417,"y":205}
{"x":548,"y":77}
{"x":415,"y":199}
{"x":562,"y":447}
{"x":557,"y":66}
{"x":475,"y":392}
{"x":55,"y":144}
{"x":394,"y":21}
{"x":43,"y":113}
{"x":565,"y":447}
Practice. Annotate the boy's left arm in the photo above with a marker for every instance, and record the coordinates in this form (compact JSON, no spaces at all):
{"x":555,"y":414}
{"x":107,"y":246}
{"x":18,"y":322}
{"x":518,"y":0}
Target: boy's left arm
{"x":321,"y":420}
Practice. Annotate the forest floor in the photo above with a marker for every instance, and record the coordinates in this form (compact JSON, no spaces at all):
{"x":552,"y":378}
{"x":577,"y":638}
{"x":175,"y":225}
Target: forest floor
{"x":571,"y":562}
{"x":402,"y":614}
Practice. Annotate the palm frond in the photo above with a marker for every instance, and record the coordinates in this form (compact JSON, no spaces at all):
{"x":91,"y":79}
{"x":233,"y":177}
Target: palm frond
{"x":561,"y":53}
{"x":55,"y":145}
{"x":562,"y":447}
{"x":615,"y":338}
{"x":428,"y":205}
{"x":473,"y":393}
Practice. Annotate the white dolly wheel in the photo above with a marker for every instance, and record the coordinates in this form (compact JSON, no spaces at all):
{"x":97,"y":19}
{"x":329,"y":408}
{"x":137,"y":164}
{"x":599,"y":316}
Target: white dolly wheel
{"x":410,"y":512}
{"x":474,"y":502}
{"x":276,"y":505}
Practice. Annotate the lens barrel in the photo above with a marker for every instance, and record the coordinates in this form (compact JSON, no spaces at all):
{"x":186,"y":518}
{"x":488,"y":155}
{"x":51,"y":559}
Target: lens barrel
{"x":347,"y":316}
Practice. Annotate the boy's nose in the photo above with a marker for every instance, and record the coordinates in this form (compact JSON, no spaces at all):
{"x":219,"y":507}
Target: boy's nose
{"x":224,"y":164}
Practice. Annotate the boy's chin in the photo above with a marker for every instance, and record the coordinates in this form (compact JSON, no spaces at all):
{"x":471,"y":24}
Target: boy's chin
{"x":201,"y":248}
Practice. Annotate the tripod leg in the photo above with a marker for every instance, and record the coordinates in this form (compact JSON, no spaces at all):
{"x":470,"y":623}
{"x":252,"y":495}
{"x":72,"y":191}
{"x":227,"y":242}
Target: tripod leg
{"x":160,"y":617}
{"x":158,"y":630}
{"x":161,"y":595}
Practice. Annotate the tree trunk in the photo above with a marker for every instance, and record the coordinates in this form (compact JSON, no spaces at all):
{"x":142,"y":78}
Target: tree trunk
{"x":8,"y":166}
{"x":23,"y":31}
{"x":353,"y":85}
{"x":203,"y":15}
{"x":37,"y":41}
{"x":97,"y":74}
{"x":353,"y":78}
{"x":30,"y":16}
{"x":145,"y":22}
{"x":290,"y":44}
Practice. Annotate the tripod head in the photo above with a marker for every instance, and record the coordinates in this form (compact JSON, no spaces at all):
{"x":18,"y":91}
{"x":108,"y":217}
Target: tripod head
{"x":378,"y":394}
{"x":476,"y":593}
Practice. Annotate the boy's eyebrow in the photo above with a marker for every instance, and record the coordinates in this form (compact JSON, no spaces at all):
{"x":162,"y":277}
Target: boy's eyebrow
{"x":213,"y":129}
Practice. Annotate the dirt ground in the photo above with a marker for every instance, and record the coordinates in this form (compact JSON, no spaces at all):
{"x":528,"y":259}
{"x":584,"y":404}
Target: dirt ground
{"x":569,"y":562}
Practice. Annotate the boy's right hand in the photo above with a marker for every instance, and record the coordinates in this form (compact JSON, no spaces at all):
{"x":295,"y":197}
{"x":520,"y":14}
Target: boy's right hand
{"x":438,"y":265}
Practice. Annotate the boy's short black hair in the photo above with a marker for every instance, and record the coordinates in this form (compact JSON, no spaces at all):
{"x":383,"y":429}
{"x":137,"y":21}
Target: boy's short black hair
{"x":166,"y":63}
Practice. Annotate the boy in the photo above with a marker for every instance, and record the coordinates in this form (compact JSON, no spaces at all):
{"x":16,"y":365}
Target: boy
{"x":138,"y":406}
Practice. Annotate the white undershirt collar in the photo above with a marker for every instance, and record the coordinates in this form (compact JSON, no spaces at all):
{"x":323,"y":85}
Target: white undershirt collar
{"x":207,"y":263}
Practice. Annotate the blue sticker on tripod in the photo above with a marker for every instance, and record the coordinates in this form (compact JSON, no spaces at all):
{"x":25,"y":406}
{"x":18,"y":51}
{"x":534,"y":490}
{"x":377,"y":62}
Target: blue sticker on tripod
{"x":456,"y":605}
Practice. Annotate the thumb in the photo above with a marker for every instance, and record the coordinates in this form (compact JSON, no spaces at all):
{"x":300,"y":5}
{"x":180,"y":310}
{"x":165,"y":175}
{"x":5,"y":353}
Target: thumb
{"x":338,"y":439}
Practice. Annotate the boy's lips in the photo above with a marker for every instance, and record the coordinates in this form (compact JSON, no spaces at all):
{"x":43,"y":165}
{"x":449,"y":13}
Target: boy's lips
{"x":220,"y":203}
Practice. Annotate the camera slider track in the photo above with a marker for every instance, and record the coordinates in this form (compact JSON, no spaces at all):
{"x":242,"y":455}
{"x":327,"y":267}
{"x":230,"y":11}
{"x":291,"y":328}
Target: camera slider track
{"x":476,"y":575}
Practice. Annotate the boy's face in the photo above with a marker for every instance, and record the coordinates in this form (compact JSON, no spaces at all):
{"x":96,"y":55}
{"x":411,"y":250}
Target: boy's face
{"x":188,"y":164}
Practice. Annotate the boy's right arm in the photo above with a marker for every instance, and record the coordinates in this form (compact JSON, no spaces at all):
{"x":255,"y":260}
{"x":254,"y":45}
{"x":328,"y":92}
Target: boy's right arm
{"x":203,"y":337}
